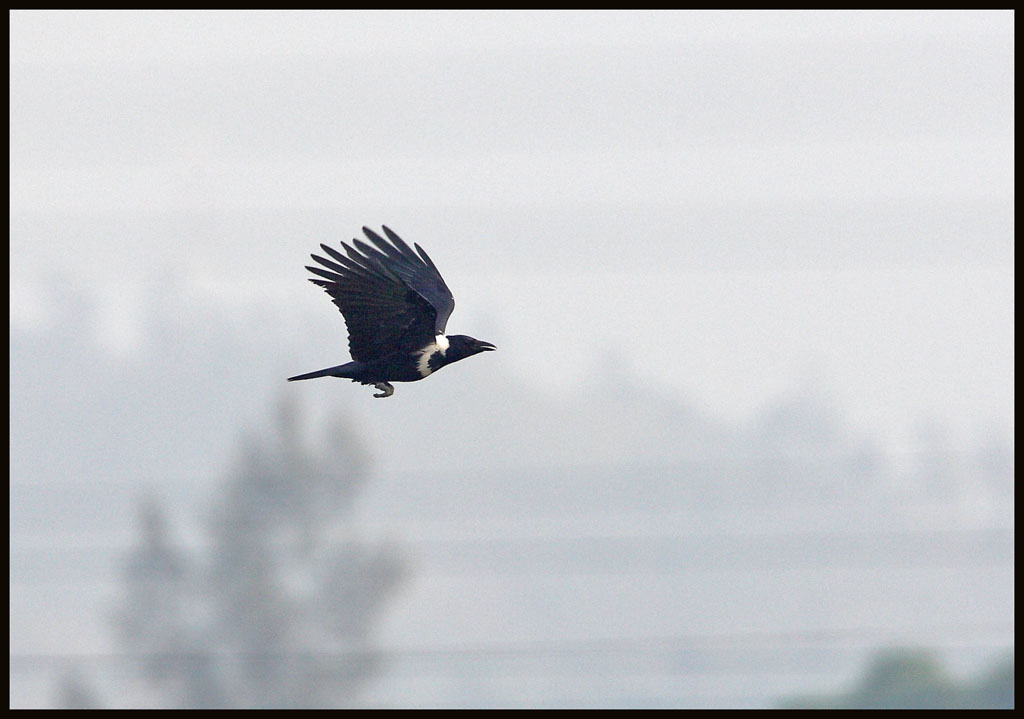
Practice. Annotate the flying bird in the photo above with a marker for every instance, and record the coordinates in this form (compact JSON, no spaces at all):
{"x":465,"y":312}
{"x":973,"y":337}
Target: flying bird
{"x":396,"y":306}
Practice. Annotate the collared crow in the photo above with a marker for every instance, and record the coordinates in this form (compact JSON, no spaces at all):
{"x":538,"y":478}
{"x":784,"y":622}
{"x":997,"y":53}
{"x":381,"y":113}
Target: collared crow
{"x":396,"y":305}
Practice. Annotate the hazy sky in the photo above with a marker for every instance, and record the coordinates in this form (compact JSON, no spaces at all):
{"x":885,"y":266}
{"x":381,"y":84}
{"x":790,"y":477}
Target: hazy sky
{"x":728,"y":205}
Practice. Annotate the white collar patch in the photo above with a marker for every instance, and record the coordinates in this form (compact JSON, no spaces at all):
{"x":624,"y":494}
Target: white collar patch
{"x":423,"y":363}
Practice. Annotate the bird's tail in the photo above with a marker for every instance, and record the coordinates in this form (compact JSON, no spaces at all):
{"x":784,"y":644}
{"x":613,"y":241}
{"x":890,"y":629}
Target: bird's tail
{"x":342,"y":370}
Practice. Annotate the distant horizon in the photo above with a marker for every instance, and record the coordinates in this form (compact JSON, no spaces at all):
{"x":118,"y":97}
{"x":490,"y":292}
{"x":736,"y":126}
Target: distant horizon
{"x":124,"y":331}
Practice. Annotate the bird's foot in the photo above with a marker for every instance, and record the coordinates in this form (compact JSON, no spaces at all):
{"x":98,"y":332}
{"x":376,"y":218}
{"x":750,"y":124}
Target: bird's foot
{"x":386,"y":390}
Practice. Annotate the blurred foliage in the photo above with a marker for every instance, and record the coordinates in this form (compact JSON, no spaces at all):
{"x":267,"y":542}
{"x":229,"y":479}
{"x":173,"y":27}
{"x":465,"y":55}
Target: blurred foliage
{"x":916,"y":679}
{"x":276,"y":609}
{"x":73,"y":692}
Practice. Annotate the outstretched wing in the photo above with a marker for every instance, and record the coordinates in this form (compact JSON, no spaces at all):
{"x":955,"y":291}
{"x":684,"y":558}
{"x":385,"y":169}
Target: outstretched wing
{"x":393,"y":299}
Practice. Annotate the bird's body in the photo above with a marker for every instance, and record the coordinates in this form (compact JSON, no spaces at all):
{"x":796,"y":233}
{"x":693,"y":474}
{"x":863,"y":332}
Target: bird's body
{"x":396,"y":306}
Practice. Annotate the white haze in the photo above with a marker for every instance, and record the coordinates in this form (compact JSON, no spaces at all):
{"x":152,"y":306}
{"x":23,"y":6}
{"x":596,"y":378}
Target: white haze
{"x":671,"y":224}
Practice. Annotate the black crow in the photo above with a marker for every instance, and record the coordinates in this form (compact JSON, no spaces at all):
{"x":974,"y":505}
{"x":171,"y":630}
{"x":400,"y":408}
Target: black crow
{"x":396,"y":305}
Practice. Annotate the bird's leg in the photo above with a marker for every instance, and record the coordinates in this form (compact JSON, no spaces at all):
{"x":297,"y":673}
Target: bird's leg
{"x":386,"y":390}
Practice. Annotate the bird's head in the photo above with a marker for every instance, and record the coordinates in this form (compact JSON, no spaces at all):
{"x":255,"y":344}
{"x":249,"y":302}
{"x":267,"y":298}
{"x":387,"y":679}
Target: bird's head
{"x":461,"y":346}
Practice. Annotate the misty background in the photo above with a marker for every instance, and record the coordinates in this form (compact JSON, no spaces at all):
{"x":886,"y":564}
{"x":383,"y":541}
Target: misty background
{"x":750,"y":421}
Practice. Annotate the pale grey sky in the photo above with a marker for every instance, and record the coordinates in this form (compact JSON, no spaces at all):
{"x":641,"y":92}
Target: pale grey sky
{"x":729,"y":199}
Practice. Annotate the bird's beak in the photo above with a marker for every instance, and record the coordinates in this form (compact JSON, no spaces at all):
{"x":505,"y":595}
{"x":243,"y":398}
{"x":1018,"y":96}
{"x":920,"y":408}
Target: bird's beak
{"x":486,"y":346}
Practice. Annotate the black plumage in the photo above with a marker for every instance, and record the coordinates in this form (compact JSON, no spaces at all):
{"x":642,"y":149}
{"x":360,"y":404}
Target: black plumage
{"x":396,"y":306}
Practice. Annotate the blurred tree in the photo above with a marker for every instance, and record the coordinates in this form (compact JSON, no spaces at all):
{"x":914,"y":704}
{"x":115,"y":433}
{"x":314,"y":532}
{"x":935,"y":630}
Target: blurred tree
{"x":74,"y":693}
{"x":914,"y":679}
{"x":278,"y":614}
{"x":995,"y":689}
{"x":151,"y":620}
{"x":904,"y":678}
